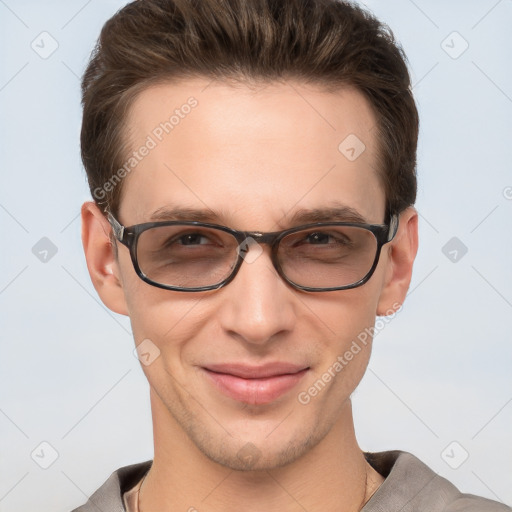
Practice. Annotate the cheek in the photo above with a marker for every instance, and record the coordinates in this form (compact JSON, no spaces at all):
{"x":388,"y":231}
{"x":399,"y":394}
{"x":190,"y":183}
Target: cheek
{"x":342,"y":323}
{"x":341,"y":315}
{"x":169,"y":321}
{"x":153,"y":311}
{"x":162,"y":327}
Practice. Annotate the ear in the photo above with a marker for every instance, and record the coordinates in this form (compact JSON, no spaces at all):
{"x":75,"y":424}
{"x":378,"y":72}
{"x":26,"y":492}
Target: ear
{"x":101,"y":261}
{"x":401,"y":253}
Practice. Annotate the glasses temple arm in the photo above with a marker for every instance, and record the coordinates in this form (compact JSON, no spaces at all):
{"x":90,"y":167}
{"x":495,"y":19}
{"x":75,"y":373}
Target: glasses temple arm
{"x":117,"y":228}
{"x":393,"y":226}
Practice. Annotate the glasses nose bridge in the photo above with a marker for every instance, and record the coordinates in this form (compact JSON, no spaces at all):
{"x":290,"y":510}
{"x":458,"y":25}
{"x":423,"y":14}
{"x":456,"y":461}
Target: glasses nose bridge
{"x":262,"y":238}
{"x":247,"y":238}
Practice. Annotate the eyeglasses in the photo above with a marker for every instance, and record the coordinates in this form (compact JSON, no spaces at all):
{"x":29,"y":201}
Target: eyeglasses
{"x":197,"y":256}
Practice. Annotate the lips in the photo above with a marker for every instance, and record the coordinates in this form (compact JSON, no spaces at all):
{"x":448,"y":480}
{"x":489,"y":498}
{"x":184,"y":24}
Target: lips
{"x":255,"y":385}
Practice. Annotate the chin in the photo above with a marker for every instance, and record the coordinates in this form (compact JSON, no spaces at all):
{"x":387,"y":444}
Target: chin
{"x":258,"y":454}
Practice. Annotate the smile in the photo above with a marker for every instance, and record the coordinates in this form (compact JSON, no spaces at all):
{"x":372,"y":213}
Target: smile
{"x":255,"y":385}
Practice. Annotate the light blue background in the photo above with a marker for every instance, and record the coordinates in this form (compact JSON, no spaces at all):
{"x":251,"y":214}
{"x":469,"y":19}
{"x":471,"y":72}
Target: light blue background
{"x":440,"y":371}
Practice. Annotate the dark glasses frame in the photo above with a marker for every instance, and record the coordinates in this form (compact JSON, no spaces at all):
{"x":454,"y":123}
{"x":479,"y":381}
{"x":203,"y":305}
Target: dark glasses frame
{"x":129,"y":236}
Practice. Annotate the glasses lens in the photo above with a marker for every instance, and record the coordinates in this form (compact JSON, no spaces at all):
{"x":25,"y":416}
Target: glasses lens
{"x":328,"y":256}
{"x":186,"y":256}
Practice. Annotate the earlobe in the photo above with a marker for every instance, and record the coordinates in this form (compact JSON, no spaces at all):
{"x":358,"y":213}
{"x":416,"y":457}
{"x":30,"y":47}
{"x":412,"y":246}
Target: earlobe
{"x":101,"y":262}
{"x":402,"y":252}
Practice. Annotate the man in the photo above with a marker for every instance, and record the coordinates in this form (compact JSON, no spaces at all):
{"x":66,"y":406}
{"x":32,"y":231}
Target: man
{"x":253,"y":170}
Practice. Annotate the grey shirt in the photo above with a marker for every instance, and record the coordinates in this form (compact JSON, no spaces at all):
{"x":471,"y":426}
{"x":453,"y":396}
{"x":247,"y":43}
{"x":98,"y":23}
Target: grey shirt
{"x":409,"y":486}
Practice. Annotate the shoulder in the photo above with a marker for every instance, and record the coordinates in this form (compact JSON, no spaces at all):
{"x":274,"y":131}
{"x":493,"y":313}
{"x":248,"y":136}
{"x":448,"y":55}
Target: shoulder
{"x":109,"y":497}
{"x":470,"y":503}
{"x":411,"y":486}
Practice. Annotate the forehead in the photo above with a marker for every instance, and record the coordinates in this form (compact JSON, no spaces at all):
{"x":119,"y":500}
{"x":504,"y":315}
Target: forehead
{"x":252,"y":155}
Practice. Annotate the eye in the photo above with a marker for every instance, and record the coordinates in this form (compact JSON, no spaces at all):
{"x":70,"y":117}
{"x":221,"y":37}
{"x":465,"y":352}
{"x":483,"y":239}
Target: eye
{"x":318,"y":238}
{"x":190,"y":239}
{"x":184,"y":238}
{"x":325,"y":238}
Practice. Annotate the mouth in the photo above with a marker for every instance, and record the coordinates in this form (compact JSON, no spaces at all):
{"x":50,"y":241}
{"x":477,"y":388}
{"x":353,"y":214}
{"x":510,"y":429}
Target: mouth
{"x":255,"y":385}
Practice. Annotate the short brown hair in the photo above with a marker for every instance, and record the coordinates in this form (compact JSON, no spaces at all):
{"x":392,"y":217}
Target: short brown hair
{"x":330,"y":43}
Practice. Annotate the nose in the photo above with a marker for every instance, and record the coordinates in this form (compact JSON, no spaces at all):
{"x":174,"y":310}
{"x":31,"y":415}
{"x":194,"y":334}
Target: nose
{"x":257,"y":305}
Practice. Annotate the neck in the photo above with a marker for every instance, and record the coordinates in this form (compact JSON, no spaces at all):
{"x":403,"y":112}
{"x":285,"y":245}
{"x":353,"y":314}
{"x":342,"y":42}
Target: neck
{"x":332,"y":476}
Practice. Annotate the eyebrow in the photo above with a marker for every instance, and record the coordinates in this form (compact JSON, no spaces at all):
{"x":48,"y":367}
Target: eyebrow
{"x":182,"y":213}
{"x":327,"y":214}
{"x":303,"y":216}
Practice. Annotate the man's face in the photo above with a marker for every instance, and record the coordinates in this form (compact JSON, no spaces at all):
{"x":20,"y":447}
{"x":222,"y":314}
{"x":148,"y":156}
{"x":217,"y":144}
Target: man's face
{"x":254,"y":158}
